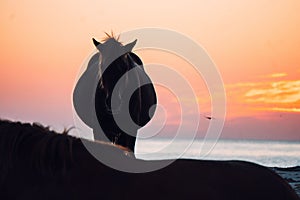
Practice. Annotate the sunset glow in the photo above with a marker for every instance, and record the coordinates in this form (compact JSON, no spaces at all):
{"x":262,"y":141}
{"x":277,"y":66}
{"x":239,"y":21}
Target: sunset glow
{"x":256,"y":46}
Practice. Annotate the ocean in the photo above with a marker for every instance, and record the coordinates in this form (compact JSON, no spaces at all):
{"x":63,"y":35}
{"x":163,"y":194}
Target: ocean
{"x":281,"y":156}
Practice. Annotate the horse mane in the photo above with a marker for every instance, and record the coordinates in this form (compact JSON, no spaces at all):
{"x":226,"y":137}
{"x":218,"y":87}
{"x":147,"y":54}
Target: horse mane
{"x":45,"y":150}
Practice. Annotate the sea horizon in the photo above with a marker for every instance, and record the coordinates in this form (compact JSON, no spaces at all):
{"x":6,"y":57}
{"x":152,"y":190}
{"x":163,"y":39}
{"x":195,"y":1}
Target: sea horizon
{"x":269,"y":153}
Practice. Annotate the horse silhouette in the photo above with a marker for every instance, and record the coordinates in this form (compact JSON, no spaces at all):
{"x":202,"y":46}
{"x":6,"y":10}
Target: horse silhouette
{"x":115,"y":69}
{"x":37,"y":163}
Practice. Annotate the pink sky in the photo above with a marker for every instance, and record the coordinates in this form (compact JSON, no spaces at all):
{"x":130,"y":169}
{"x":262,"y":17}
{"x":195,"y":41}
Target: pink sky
{"x":256,"y":46}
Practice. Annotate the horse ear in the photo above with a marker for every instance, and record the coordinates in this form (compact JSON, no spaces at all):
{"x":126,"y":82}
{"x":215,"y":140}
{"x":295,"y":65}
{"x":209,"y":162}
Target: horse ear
{"x":129,"y":47}
{"x":96,"y":43}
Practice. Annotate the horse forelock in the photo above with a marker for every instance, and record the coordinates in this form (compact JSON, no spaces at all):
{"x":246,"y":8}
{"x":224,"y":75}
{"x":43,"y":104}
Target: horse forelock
{"x":111,"y":36}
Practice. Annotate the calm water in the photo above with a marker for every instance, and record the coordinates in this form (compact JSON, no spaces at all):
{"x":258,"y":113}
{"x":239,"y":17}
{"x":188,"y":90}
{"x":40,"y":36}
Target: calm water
{"x":267,"y":153}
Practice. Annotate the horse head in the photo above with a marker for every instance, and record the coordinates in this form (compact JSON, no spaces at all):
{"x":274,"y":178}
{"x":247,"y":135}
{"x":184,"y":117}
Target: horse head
{"x":119,"y":71}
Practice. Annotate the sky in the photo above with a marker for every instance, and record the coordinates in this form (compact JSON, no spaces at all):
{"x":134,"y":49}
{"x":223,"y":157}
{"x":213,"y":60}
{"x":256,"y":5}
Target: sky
{"x":255,"y":45}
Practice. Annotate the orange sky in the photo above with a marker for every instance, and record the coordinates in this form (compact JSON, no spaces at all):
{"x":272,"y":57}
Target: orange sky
{"x":256,"y":46}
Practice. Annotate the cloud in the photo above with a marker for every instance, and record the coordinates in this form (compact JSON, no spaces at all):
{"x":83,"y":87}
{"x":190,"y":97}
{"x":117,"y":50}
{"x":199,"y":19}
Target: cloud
{"x":277,"y":75}
{"x":270,"y":95}
{"x":274,"y":75}
{"x":275,"y":92}
{"x":285,"y":109}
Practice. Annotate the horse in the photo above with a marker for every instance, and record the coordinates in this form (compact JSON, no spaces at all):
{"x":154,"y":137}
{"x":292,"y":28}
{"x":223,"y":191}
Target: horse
{"x":93,"y":95}
{"x":38,"y":163}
